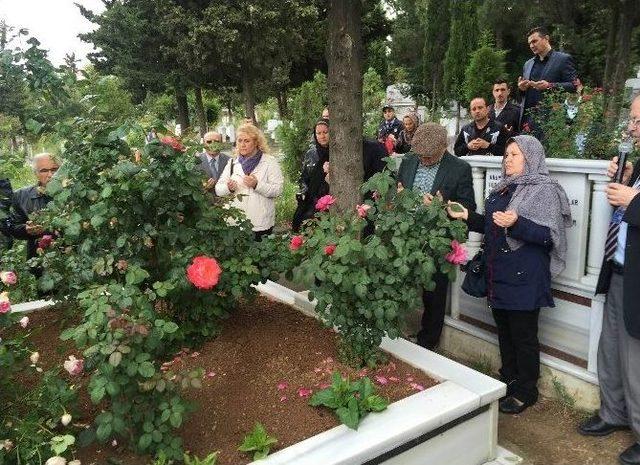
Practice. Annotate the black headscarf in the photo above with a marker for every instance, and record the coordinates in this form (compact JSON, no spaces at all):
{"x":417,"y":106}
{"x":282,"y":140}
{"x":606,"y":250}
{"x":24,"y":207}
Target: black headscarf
{"x":317,"y":183}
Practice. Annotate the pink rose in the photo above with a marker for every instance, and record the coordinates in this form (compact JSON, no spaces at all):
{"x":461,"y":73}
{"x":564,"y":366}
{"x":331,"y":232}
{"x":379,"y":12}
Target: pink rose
{"x":296,"y":242}
{"x":74,"y":366}
{"x":325,"y":202}
{"x":8,"y":278}
{"x":204,"y":272}
{"x":5,"y":307}
{"x":458,"y":254}
{"x":363,"y":209}
{"x":24,"y":321}
{"x":328,"y":250}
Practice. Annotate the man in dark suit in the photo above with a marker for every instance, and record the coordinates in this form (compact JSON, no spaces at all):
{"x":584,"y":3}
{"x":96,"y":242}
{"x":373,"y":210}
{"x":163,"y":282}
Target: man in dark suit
{"x":431,"y":170}
{"x":502,"y":110}
{"x":619,"y":348}
{"x":212,"y":160}
{"x":548,"y":69}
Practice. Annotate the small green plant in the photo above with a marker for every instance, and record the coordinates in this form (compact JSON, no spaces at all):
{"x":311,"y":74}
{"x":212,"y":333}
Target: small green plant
{"x":482,"y":364}
{"x":258,"y":442}
{"x":565,"y":398}
{"x":351,"y":400}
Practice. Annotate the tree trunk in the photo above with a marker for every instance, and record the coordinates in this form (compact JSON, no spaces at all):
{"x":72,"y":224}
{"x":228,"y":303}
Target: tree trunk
{"x":611,"y":47}
{"x":344,"y":81}
{"x":627,"y":20}
{"x":248,"y":94}
{"x":281,"y":97}
{"x":200,"y":113}
{"x":183,"y":109}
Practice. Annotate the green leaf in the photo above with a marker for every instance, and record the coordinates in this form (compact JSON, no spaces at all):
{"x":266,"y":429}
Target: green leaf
{"x":325,"y":397}
{"x":145,"y":441}
{"x":115,"y":358}
{"x":97,"y":394}
{"x":375,"y":403}
{"x":103,"y":432}
{"x":146,"y":369}
{"x":175,"y":419}
{"x":349,"y":415}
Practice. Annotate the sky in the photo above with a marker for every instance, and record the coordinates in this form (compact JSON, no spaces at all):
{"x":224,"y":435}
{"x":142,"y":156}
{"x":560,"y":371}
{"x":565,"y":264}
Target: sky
{"x":55,"y":23}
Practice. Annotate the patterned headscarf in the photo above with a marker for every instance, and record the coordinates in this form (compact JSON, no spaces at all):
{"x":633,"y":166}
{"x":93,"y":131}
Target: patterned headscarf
{"x":539,"y":198}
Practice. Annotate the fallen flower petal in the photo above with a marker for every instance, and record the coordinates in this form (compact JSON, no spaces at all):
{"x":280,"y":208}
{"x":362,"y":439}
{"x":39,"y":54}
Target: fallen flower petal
{"x":381,"y":379}
{"x":304,"y":392}
{"x":282,"y":386}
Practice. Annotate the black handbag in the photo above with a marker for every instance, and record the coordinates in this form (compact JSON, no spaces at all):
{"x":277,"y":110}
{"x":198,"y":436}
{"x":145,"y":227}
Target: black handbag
{"x":475,"y":281}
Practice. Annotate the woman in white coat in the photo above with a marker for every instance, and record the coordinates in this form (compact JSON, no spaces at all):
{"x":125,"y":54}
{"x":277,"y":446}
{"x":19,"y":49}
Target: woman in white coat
{"x":254,"y":178}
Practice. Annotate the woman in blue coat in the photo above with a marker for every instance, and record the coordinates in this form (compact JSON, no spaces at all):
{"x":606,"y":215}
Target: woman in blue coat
{"x":525,"y":245}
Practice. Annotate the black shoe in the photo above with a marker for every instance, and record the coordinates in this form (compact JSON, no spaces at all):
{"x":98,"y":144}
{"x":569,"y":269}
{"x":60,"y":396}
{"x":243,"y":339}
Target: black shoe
{"x":631,"y":456}
{"x":596,"y":426}
{"x":512,"y":406}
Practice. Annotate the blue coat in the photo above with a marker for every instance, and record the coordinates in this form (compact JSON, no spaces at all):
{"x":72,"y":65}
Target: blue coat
{"x":516,"y":279}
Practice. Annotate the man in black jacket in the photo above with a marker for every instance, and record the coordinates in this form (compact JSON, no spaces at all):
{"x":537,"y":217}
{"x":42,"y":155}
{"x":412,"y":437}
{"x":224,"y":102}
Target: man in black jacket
{"x":29,"y":200}
{"x":502,"y":109}
{"x":431,"y":170}
{"x":619,"y":348}
{"x":482,"y":136}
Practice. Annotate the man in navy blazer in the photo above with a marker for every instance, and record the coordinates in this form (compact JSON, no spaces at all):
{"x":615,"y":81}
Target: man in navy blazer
{"x":548,"y":69}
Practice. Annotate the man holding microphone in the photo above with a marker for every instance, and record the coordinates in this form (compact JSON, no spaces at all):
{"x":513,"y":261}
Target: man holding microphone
{"x":619,"y":348}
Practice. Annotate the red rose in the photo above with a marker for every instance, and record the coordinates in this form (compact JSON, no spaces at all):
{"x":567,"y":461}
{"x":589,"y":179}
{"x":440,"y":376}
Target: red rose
{"x":204,"y":272}
{"x":45,"y":241}
{"x":328,"y":250}
{"x":296,"y":242}
{"x":172,"y":142}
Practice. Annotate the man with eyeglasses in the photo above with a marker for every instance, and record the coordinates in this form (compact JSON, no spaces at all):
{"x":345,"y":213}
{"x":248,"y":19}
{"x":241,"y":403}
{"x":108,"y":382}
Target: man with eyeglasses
{"x":31,"y":199}
{"x":212,"y":160}
{"x":619,"y":348}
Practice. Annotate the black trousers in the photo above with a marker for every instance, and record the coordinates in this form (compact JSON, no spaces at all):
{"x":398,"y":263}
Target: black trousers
{"x":435,"y":303}
{"x":519,"y":352}
{"x":258,"y":235}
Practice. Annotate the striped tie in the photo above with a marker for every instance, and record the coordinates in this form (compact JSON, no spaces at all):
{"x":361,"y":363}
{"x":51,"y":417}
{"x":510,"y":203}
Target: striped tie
{"x":612,"y":239}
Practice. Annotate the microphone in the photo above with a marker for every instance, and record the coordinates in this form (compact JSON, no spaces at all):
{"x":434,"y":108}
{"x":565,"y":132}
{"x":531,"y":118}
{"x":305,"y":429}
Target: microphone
{"x":625,"y":147}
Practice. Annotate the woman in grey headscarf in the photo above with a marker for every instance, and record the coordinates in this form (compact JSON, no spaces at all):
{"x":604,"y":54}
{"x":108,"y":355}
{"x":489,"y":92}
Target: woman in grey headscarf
{"x":411,"y":121}
{"x":525,"y":245}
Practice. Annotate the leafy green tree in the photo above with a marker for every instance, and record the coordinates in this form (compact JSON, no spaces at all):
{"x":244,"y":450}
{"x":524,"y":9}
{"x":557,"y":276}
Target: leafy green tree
{"x":435,"y":21}
{"x":486,"y":64}
{"x":462,"y":41}
{"x":373,"y":93}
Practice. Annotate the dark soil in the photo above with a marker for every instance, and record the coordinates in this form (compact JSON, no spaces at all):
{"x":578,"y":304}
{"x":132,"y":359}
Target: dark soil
{"x":260,"y":369}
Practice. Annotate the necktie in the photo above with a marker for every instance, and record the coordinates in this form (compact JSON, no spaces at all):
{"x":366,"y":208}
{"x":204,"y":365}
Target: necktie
{"x":214,"y":166}
{"x":611,"y":243}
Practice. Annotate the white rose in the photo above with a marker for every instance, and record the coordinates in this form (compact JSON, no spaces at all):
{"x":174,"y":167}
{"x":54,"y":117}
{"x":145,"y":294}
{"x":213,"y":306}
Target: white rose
{"x":34,"y":357}
{"x":74,"y":462}
{"x":65,"y":419}
{"x":57,"y":460}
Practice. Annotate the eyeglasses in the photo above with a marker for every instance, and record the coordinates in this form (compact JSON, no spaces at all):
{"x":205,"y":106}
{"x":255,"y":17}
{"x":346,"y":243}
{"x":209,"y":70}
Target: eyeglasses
{"x":47,"y":170}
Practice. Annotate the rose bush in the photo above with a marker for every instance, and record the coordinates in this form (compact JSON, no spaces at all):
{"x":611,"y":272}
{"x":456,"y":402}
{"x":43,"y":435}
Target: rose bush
{"x":366,"y":285}
{"x":29,"y":413}
{"x":153,"y":266}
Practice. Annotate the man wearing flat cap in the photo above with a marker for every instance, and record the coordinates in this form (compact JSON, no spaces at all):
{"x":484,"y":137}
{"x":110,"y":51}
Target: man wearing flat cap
{"x":431,"y":170}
